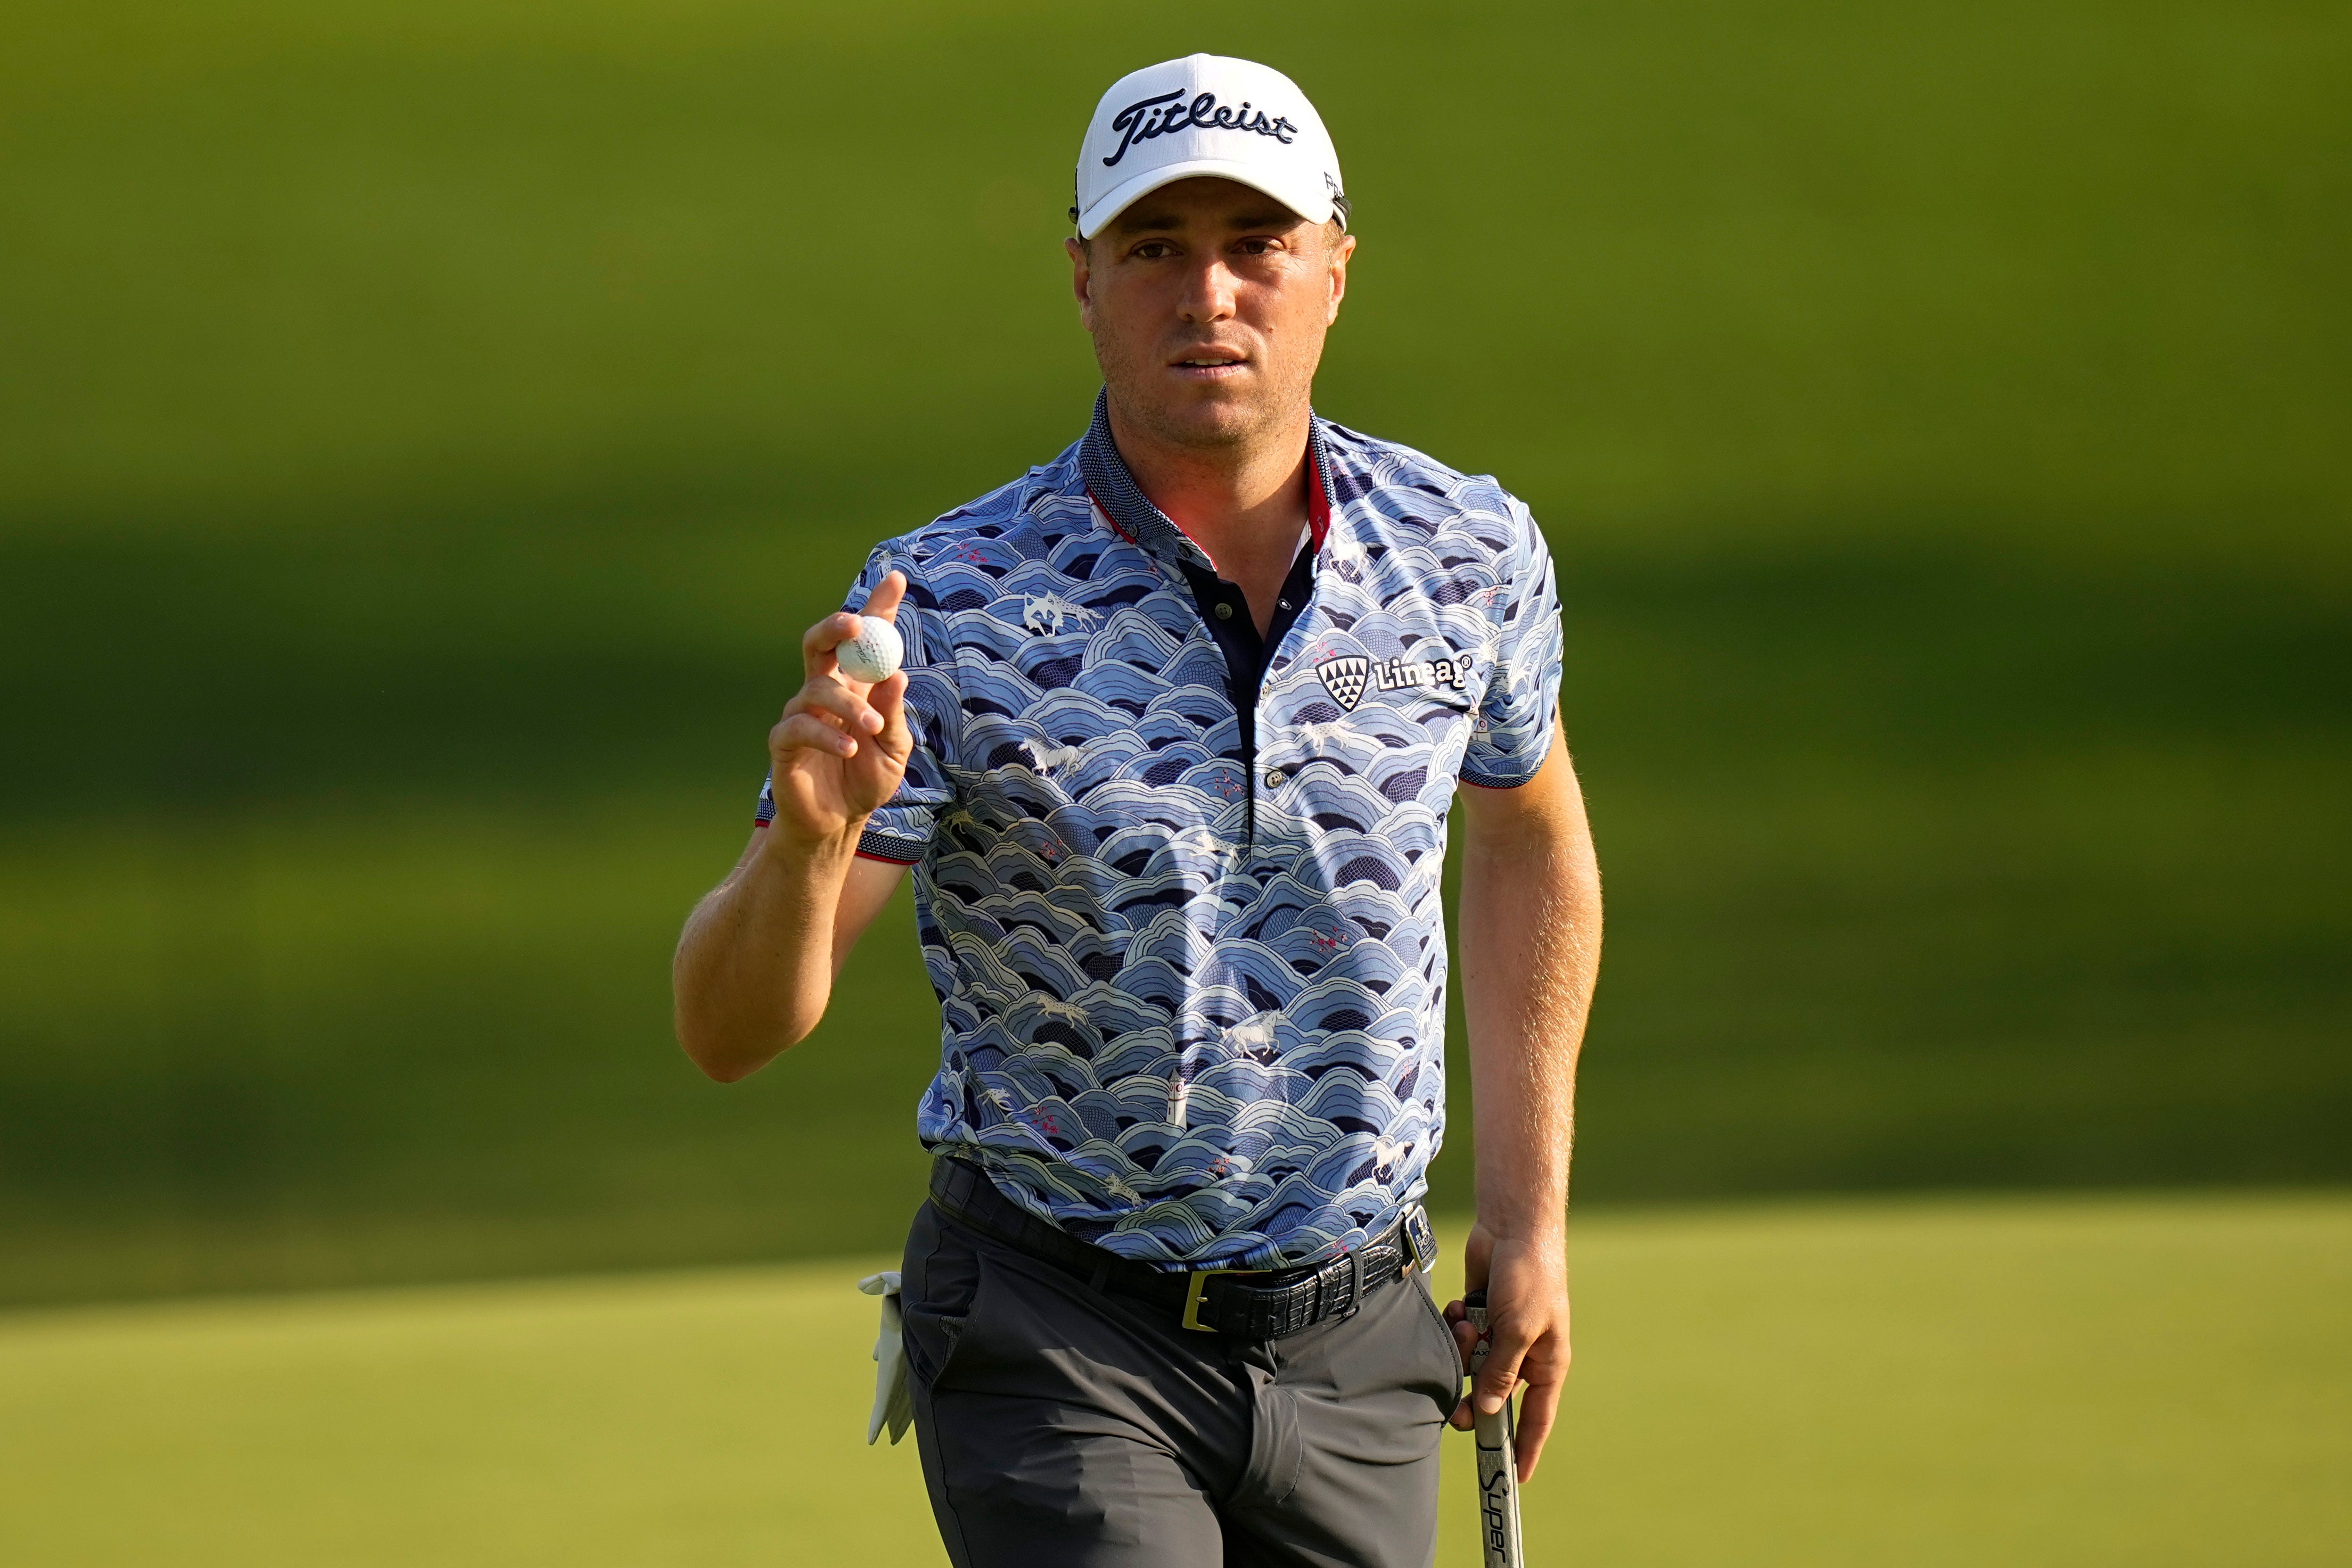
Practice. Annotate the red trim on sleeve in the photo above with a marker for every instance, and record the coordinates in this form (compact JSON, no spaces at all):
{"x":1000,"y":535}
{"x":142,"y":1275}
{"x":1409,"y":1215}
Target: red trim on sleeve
{"x":864,"y":854}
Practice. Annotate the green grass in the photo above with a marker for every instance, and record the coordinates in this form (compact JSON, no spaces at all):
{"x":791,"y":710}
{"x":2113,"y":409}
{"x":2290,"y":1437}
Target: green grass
{"x":2153,"y":1382}
{"x":1709,"y":260}
{"x":1870,"y":928}
{"x":429,"y":427}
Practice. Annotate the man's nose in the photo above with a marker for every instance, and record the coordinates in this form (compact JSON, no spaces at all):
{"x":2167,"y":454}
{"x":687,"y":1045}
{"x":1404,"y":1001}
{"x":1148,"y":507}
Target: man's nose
{"x":1209,"y":291}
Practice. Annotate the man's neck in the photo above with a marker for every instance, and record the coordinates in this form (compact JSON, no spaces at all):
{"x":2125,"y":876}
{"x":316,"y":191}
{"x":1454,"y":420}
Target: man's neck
{"x":1245,"y":503}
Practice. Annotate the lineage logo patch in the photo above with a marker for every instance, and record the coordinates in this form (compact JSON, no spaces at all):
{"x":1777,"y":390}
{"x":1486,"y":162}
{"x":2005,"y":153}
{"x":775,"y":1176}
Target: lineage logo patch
{"x":1344,"y":679}
{"x":1348,"y":678}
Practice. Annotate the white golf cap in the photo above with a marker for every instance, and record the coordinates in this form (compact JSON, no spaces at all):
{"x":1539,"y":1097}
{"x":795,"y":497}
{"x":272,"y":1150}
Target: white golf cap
{"x":1205,"y":114}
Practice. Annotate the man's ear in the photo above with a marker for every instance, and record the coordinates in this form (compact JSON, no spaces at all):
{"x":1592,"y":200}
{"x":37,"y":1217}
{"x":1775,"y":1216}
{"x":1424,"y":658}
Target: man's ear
{"x":1341,"y":250}
{"x":1081,"y":279}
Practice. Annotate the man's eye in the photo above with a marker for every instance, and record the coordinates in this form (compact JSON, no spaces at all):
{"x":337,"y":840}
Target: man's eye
{"x":1154,"y":250}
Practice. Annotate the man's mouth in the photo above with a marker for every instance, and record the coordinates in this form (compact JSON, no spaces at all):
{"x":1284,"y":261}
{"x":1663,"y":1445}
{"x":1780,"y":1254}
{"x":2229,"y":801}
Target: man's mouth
{"x":1207,"y":362}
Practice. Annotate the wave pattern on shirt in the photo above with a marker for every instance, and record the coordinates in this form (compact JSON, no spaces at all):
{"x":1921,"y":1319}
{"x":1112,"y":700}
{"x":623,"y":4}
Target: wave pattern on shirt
{"x":1191,"y":1028}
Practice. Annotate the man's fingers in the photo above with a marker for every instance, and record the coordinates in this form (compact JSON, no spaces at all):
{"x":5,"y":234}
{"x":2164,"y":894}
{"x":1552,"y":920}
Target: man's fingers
{"x":807,"y":732}
{"x":883,"y":600}
{"x":1491,"y":1389}
{"x":1538,"y":1410}
{"x":888,"y":701}
{"x":854,"y":713}
{"x":819,"y":641}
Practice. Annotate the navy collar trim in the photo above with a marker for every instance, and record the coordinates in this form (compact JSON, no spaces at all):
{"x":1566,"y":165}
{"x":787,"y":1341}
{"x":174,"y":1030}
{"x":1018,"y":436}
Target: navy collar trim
{"x":1131,"y":513}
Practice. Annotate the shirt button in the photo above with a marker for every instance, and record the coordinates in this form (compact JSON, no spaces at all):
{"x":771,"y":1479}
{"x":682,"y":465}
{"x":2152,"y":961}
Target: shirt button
{"x":1274,"y":778}
{"x":1224,"y":611}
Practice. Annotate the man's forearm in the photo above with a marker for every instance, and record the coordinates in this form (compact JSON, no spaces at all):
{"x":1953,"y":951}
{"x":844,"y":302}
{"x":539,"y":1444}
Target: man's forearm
{"x":755,"y":965}
{"x":1530,"y":951}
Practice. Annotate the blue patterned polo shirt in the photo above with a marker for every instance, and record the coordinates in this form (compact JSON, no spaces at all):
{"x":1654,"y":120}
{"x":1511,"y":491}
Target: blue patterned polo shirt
{"x":1185,"y":929}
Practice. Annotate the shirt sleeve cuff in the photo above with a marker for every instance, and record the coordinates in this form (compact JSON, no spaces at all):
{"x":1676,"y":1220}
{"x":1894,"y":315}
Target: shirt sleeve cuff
{"x":1497,"y":781}
{"x":875,"y":845}
{"x":1510,"y":772}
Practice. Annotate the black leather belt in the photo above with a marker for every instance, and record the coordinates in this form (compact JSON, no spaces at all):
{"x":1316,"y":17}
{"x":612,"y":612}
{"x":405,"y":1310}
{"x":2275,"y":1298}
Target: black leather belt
{"x":1248,"y":1303}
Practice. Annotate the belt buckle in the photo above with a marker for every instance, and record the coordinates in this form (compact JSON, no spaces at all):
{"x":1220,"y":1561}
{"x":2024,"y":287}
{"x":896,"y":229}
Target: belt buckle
{"x":1421,"y":1238}
{"x":1198,"y":1283}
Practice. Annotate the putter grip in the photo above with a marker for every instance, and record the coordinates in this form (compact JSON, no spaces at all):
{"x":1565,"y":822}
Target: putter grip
{"x":1498,"y":1472}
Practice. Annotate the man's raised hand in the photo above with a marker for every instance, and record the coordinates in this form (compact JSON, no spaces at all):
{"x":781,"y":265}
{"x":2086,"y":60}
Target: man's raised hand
{"x":841,"y":747}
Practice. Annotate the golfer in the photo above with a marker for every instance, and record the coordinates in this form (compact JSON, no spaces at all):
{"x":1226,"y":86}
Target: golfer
{"x":1183,"y":715}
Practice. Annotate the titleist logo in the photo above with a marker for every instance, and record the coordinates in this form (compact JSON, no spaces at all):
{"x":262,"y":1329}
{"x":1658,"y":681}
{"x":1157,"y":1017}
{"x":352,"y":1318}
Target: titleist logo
{"x":1165,"y":116}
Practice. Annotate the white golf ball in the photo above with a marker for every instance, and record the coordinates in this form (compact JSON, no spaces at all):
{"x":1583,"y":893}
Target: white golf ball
{"x":874,"y":655}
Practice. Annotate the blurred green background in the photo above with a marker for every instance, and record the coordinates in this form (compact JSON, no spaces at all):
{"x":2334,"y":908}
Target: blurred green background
{"x":426,"y":428}
{"x":2047,"y":1383}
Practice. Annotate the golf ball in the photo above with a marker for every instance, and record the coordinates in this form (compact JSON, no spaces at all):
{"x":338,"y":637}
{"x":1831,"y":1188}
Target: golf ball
{"x":874,"y":655}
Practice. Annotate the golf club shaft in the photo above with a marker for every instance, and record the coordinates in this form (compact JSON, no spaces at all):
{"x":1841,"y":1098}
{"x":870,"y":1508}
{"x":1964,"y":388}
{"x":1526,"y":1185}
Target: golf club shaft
{"x":1499,"y":1464}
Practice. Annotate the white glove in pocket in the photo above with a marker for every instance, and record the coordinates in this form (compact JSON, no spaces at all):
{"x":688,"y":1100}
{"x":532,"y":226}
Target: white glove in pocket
{"x":894,"y":1402}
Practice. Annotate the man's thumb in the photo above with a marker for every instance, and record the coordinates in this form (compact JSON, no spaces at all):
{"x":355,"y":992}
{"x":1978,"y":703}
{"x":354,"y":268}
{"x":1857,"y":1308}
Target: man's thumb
{"x":1491,"y":1390}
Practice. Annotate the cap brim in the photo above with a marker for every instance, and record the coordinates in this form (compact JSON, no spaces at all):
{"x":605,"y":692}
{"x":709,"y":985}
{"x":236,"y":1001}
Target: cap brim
{"x":1312,"y":203}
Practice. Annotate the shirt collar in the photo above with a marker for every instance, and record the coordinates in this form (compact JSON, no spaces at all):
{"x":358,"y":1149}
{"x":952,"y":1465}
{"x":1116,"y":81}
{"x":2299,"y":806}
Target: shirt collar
{"x":1131,"y":513}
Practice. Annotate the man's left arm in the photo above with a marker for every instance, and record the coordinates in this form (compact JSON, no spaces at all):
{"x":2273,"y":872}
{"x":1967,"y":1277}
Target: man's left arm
{"x":1530,"y":950}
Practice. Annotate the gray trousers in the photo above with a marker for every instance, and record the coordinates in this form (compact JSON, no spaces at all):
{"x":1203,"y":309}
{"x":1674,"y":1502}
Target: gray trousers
{"x":1061,"y":1426}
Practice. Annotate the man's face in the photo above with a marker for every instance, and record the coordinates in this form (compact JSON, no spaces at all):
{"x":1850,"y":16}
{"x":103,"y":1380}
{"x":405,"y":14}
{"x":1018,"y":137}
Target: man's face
{"x":1208,"y":302}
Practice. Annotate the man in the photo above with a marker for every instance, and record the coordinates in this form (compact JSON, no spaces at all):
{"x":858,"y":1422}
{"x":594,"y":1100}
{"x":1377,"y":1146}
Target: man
{"x":1183,"y":715}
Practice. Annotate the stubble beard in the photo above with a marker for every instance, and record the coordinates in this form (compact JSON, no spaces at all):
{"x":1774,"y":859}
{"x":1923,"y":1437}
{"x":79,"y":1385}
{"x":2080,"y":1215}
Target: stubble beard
{"x":1217,"y":425}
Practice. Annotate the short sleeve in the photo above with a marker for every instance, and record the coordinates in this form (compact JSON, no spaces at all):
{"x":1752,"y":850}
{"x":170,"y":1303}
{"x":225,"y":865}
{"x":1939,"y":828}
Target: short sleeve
{"x":1514,"y":729}
{"x":900,"y":832}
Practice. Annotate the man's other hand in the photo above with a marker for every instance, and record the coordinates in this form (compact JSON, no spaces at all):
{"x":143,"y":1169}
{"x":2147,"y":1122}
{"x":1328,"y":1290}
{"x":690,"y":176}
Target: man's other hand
{"x":1526,"y":1322}
{"x":841,"y":747}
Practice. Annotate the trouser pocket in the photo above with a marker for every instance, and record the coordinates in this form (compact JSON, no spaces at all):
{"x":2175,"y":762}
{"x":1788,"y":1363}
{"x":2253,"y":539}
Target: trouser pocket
{"x":1448,"y":1353}
{"x":939,"y":1286}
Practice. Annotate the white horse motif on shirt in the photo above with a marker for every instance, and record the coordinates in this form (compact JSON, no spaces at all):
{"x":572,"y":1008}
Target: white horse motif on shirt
{"x":1050,"y":758}
{"x":1255,"y":1034}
